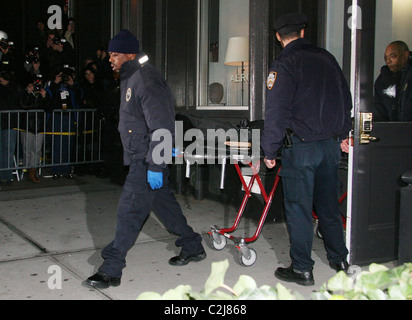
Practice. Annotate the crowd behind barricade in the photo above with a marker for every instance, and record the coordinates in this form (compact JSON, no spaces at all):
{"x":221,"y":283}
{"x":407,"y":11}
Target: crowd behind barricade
{"x":52,"y":113}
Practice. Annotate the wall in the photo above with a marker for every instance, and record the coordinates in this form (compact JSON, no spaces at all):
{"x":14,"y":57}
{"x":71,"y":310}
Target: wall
{"x":401,"y":21}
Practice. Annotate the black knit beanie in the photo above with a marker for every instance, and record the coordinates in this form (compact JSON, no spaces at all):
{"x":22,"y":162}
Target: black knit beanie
{"x":124,"y":42}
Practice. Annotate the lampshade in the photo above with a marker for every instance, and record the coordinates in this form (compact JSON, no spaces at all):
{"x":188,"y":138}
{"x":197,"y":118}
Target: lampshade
{"x":237,"y":51}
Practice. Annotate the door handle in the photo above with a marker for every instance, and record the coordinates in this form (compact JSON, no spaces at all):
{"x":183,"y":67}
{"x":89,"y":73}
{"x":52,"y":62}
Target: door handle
{"x":366,"y":138}
{"x":366,"y":128}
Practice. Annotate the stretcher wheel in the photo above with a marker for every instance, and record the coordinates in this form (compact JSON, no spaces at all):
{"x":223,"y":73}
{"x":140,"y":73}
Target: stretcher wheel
{"x":217,"y":241}
{"x":247,"y":257}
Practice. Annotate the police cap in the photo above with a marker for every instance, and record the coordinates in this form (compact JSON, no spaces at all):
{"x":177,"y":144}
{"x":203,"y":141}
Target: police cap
{"x":290,"y":22}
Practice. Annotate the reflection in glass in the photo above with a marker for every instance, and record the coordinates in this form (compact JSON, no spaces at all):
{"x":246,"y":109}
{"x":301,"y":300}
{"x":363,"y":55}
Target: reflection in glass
{"x":220,"y":21}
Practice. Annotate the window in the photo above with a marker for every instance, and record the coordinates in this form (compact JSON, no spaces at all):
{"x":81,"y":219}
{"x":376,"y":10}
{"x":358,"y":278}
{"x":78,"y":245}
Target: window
{"x":393,"y":22}
{"x":223,"y":55}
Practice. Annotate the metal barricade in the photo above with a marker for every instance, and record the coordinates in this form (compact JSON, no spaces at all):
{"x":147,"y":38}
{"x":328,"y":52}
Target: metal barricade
{"x":61,"y":137}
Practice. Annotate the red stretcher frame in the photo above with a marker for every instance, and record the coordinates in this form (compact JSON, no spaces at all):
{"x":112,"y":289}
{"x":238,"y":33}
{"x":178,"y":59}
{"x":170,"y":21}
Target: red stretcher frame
{"x":247,"y":257}
{"x":248,"y":193}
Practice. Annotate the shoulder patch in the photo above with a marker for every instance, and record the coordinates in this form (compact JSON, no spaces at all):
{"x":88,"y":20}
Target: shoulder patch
{"x":128,"y":94}
{"x":271,"y":79}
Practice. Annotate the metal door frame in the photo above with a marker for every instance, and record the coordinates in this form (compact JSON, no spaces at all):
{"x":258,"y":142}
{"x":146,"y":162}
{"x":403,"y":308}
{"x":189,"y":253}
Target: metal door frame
{"x":362,"y":41}
{"x":354,"y":87}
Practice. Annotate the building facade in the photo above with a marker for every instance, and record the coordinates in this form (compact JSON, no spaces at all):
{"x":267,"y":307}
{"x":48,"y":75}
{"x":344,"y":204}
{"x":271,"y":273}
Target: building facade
{"x":215,"y":55}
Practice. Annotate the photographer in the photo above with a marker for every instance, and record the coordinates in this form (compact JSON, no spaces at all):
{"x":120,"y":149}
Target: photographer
{"x":58,"y":53}
{"x":65,"y":94}
{"x":32,"y":64}
{"x":89,"y":124}
{"x":40,"y":35}
{"x":32,"y":61}
{"x":70,"y":31}
{"x":32,"y":124}
{"x":10,"y":95}
{"x":7,"y":59}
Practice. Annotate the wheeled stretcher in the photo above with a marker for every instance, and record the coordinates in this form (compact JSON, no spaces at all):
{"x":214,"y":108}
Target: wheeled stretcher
{"x":218,"y":236}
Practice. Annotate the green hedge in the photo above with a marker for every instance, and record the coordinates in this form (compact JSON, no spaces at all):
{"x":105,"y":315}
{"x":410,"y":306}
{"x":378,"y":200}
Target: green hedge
{"x":378,"y":283}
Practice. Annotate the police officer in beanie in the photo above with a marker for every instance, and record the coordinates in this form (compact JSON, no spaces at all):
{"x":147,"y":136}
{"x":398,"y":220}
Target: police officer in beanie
{"x":309,"y":101}
{"x":146,"y":108}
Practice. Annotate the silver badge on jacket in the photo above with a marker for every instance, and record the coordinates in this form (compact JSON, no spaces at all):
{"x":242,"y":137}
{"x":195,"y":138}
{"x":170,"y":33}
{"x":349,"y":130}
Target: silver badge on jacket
{"x":128,"y":94}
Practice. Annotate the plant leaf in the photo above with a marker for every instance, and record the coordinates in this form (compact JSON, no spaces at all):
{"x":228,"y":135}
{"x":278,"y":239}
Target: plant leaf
{"x":377,"y":279}
{"x":179,"y":293}
{"x":395,"y":293}
{"x":244,"y":282}
{"x":149,"y":296}
{"x":217,"y":276}
{"x":340,"y":282}
{"x":283,"y":293}
{"x":220,"y":295}
{"x":374,"y":267}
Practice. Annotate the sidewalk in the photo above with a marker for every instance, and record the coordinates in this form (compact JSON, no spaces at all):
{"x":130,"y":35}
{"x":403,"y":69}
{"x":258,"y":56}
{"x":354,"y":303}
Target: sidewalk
{"x":63,"y":225}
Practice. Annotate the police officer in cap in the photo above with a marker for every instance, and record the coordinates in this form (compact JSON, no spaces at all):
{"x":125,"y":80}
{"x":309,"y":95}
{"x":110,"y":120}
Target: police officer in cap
{"x":146,"y":109}
{"x":309,"y":103}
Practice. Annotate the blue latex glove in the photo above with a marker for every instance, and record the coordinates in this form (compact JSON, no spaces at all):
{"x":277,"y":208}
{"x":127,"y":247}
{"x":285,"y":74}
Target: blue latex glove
{"x":175,"y":152}
{"x":155,"y":179}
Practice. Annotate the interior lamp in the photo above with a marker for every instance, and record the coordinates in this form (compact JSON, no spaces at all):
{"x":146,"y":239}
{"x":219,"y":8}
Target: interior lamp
{"x":237,"y":54}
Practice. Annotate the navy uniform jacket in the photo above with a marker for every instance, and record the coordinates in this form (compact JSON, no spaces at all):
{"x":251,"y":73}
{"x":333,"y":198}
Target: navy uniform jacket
{"x":146,"y":105}
{"x":308,"y":94}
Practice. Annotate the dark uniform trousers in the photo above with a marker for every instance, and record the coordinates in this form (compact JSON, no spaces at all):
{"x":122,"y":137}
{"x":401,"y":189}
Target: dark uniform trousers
{"x":310,"y":178}
{"x":136,"y":202}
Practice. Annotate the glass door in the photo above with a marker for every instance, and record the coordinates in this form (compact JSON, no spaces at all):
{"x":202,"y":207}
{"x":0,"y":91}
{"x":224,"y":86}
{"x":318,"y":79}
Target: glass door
{"x":381,"y":151}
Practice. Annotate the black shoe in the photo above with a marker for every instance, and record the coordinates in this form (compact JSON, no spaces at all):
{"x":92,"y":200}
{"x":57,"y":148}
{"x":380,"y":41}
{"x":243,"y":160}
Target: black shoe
{"x":289,"y":275}
{"x":341,"y":266}
{"x":101,"y":280}
{"x":182,"y":260}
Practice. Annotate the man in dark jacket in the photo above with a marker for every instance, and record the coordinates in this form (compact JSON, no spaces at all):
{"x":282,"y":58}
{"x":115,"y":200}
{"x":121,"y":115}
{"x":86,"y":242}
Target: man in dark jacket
{"x":307,"y":97}
{"x":57,"y":53}
{"x":146,"y":109}
{"x":32,"y":124}
{"x":65,"y":94}
{"x":10,"y":95}
{"x":393,"y":91}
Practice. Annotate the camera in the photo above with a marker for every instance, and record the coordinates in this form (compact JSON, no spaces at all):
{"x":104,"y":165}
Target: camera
{"x":33,"y":56}
{"x":67,"y":74}
{"x":65,"y":78}
{"x":4,"y":44}
{"x":58,"y":41}
{"x":37,"y":86}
